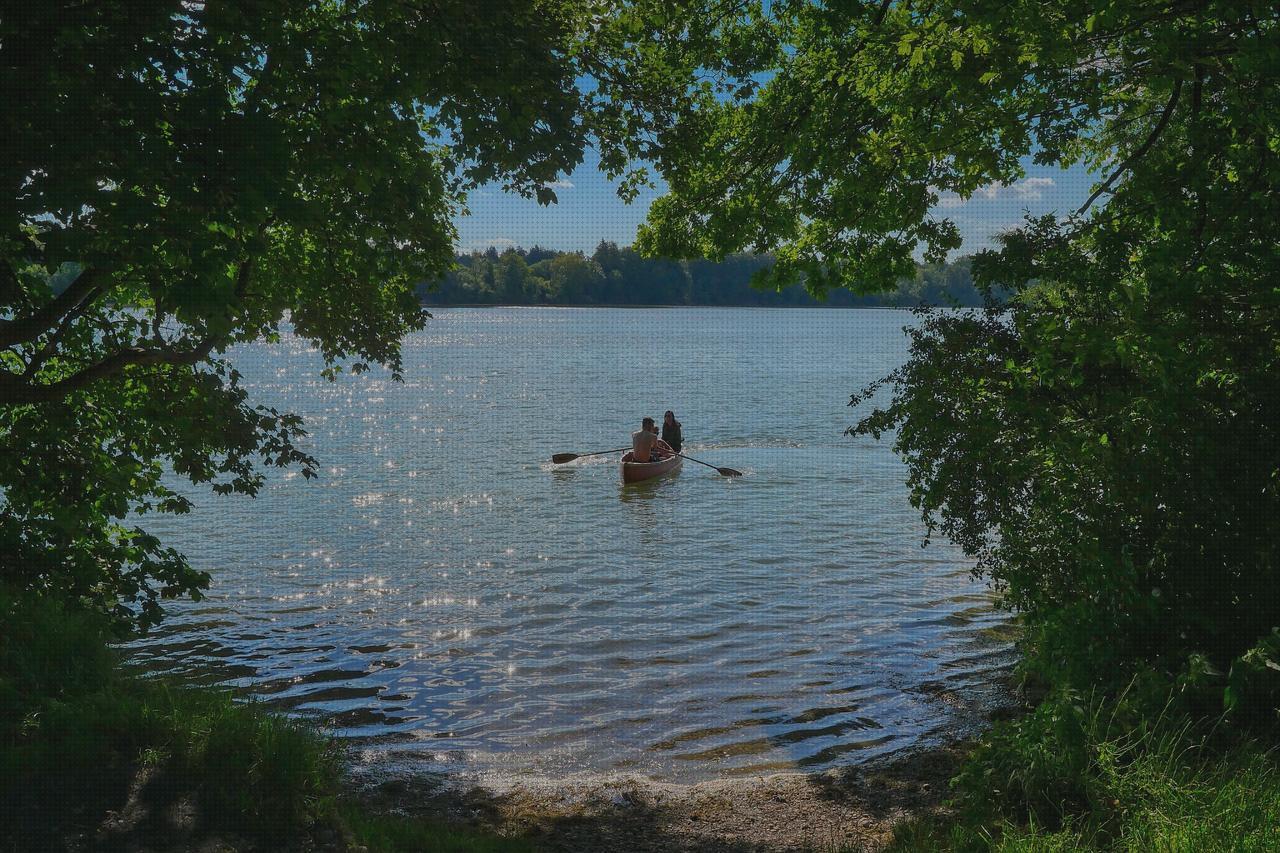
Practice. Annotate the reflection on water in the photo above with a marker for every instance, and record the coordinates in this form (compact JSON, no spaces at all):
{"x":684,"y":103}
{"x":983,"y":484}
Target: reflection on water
{"x":444,"y":594}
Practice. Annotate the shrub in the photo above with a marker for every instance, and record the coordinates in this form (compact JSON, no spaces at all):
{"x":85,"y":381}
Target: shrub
{"x":73,"y":727}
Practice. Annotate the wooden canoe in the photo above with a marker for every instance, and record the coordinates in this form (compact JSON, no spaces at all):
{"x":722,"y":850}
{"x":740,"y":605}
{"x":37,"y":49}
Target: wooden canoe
{"x":635,"y":472}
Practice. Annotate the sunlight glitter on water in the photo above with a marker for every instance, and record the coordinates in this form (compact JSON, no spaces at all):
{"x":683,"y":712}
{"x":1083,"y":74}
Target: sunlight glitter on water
{"x":442,"y":580}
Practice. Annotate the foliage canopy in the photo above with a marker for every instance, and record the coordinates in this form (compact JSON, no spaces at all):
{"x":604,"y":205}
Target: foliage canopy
{"x":182,"y":177}
{"x":1107,"y":447}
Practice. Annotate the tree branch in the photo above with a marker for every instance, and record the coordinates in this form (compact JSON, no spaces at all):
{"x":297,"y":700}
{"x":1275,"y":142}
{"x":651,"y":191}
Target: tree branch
{"x":22,"y":329}
{"x":1142,"y":149}
{"x":51,"y":345}
{"x":244,"y":271}
{"x":881,"y":12}
{"x":16,"y":390}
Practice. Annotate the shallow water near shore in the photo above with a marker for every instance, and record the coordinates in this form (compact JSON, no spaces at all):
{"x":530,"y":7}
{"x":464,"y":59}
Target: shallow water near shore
{"x":443,"y":598}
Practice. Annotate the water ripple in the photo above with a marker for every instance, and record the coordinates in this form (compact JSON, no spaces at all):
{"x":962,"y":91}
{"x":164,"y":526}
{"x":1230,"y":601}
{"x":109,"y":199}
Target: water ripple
{"x":443,"y":594}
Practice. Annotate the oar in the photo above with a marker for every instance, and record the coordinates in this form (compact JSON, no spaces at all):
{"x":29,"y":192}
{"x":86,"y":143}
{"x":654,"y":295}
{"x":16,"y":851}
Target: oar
{"x":561,"y":458}
{"x":724,"y":472}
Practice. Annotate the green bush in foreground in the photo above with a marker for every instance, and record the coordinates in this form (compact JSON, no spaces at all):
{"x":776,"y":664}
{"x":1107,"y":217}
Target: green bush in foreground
{"x":76,"y":733}
{"x":69,"y":719}
{"x":1126,"y":773}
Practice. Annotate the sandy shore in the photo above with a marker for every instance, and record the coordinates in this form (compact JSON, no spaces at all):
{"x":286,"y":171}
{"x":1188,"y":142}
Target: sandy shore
{"x":851,"y":809}
{"x":854,"y":808}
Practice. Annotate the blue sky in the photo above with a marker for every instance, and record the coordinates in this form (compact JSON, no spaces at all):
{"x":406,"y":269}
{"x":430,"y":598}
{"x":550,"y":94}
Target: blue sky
{"x":589,"y":210}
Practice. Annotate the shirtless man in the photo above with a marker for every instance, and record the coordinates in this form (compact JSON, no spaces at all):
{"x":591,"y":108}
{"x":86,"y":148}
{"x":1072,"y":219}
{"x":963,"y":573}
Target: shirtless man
{"x":646,"y":446}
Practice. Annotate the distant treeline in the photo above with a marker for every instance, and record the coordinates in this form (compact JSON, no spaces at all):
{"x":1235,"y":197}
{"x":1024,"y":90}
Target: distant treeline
{"x":614,"y":276}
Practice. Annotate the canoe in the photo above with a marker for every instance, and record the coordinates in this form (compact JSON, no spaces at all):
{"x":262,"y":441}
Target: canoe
{"x":635,"y":472}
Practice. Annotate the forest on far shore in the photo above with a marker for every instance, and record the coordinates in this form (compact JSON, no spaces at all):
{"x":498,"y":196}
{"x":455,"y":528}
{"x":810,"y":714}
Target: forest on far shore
{"x":621,"y":276}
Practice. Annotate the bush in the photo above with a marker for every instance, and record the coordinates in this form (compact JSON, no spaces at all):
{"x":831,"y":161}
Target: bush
{"x":75,"y":732}
{"x":1253,"y":684}
{"x":73,"y":728}
{"x":1095,"y":772}
{"x":1079,"y":754}
{"x":48,"y":651}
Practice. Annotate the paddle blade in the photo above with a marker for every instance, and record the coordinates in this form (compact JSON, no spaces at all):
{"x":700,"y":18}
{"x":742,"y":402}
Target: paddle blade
{"x":729,"y":472}
{"x":561,"y":458}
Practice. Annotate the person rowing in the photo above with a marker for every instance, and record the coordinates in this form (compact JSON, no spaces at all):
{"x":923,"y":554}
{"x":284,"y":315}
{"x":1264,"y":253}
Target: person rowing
{"x":646,"y":446}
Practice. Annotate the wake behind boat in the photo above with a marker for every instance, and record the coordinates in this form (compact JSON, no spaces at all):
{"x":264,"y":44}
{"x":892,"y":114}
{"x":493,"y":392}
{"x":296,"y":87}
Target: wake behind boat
{"x":635,"y":472}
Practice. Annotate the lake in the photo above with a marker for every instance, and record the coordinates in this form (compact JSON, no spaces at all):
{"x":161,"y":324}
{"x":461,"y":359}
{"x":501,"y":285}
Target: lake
{"x":443,"y":598}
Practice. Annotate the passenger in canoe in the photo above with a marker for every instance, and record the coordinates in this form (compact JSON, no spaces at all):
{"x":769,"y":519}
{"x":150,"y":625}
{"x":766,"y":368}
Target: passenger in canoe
{"x":671,"y":431}
{"x":661,"y":449}
{"x":646,"y":446}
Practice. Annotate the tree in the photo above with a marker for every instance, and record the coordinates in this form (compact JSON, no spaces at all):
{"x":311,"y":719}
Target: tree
{"x":537,"y":253}
{"x":512,"y":278}
{"x":1107,"y":447}
{"x":622,"y":276}
{"x":183,"y":177}
{"x":571,"y":277}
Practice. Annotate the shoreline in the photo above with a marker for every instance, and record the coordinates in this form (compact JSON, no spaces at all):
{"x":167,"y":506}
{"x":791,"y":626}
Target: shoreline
{"x":855,"y":807}
{"x":428,"y":305}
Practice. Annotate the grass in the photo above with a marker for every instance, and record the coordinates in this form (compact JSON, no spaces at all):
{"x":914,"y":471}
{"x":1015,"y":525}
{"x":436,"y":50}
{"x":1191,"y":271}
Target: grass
{"x":1228,"y":803}
{"x":253,"y":772}
{"x":1109,"y":774}
{"x":77,"y":735}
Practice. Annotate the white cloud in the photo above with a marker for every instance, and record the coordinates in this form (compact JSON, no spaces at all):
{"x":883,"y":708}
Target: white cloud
{"x":562,"y":184}
{"x":1027,"y":189}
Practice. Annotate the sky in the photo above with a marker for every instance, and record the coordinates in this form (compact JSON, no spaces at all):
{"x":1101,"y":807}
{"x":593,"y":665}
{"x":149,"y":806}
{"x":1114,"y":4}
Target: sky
{"x":589,"y":210}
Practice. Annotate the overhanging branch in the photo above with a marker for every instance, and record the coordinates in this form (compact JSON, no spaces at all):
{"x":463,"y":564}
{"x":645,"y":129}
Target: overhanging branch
{"x":19,"y":389}
{"x":55,"y":337}
{"x":1142,"y":149}
{"x":16,"y":390}
{"x":23,"y":329}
